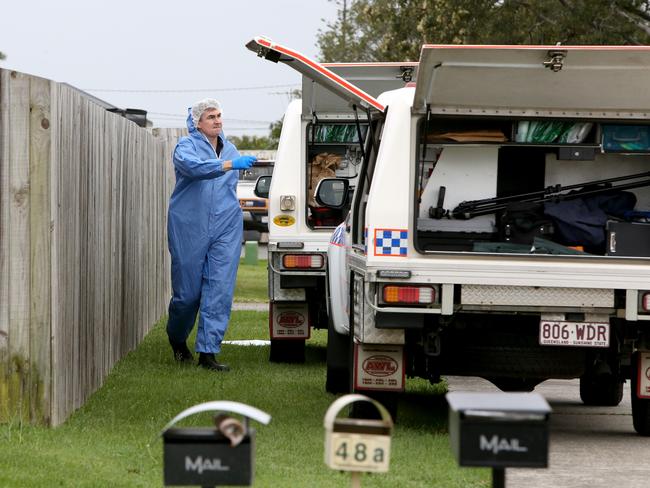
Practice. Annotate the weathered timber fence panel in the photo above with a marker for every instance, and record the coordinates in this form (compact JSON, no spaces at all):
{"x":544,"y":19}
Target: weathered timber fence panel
{"x":84,"y":267}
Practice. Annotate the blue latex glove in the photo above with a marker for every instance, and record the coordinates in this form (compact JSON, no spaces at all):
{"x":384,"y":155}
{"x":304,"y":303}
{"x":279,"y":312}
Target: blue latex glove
{"x":243,"y":162}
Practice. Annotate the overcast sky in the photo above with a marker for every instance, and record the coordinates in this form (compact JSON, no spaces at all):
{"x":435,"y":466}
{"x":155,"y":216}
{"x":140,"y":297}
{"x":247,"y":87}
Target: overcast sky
{"x":108,"y":47}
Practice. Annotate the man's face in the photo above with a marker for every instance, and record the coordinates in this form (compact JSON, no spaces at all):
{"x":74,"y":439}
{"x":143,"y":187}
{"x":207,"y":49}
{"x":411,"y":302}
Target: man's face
{"x":210,"y":123}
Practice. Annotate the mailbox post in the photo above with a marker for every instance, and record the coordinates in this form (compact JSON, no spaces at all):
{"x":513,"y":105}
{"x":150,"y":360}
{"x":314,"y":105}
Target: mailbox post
{"x":211,"y":456}
{"x":357,"y":445}
{"x":498,"y":430}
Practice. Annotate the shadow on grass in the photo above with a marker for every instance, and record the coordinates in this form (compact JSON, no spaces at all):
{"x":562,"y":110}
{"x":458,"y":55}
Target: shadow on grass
{"x":423,"y":410}
{"x":422,"y":406}
{"x":315,"y":353}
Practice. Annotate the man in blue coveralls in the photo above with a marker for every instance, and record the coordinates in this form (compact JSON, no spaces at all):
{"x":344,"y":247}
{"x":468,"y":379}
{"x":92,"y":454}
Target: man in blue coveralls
{"x":204,"y":234}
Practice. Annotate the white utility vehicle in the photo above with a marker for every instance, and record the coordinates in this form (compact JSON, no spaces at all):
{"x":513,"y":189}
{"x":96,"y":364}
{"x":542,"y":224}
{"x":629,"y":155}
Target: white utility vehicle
{"x":255,"y":209}
{"x":320,"y":137}
{"x":500,"y":226}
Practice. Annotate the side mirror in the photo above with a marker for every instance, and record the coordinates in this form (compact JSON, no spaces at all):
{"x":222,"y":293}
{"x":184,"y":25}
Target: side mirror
{"x":332,"y":192}
{"x":262,"y":186}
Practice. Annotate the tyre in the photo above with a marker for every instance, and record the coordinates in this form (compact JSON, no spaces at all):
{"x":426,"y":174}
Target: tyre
{"x":287,"y":351}
{"x":640,"y":406}
{"x":604,"y":390}
{"x":338,"y":363}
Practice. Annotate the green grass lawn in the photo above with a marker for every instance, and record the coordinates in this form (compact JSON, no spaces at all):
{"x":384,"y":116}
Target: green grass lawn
{"x":114,"y":439}
{"x":252,"y":283}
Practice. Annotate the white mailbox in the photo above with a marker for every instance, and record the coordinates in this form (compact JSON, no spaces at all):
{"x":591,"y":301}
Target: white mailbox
{"x":357,"y":444}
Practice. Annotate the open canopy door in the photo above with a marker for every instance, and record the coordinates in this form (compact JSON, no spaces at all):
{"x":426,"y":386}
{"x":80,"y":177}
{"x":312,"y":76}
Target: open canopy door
{"x":533,"y":81}
{"x":322,"y":75}
{"x":372,"y":78}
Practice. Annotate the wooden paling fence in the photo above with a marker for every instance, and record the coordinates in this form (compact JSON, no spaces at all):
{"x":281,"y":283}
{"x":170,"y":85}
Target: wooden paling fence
{"x":84,"y":266}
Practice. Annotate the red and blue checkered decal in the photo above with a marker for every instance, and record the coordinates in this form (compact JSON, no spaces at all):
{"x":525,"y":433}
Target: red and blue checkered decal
{"x":391,"y":242}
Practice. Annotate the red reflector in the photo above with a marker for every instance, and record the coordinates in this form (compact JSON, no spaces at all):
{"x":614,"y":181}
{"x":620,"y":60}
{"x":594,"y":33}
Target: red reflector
{"x":645,"y":301}
{"x":302,"y":261}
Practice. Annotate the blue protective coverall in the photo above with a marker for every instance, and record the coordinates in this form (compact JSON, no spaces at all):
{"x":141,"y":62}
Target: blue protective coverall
{"x":204,"y":235}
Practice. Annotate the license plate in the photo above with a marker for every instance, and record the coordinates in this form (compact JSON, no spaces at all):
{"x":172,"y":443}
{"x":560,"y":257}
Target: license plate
{"x":575,"y":334}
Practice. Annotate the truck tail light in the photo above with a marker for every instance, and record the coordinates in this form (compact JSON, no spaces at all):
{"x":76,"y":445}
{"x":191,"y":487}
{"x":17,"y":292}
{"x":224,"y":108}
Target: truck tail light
{"x":645,"y":301}
{"x":303,"y":261}
{"x":421,"y":295}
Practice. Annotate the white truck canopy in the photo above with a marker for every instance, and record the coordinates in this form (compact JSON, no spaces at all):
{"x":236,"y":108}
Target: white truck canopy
{"x":373,"y":78}
{"x":534,"y":81}
{"x":319,"y":73}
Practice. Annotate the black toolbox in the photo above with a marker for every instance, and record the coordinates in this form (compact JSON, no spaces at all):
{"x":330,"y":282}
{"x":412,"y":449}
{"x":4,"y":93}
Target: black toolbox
{"x":628,"y":239}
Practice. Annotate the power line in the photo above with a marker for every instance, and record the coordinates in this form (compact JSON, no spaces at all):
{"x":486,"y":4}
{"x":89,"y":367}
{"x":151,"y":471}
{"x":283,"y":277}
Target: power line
{"x":227,"y":121}
{"x":228,"y":129}
{"x":188,"y":90}
{"x":181,"y":116}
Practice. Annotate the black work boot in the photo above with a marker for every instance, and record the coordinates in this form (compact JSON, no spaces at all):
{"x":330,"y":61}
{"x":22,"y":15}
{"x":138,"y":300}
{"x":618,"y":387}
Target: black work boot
{"x":207,"y":361}
{"x":181,"y":353}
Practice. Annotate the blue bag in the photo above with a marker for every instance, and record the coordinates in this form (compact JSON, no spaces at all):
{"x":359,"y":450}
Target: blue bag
{"x":626,"y":138}
{"x":582,"y":221}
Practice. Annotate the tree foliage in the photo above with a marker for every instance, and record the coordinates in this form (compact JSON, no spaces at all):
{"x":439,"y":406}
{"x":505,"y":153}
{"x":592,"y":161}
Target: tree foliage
{"x":272,"y":140}
{"x":2,"y":55}
{"x":394,"y":30}
{"x":260,"y":142}
{"x":252,"y":142}
{"x":276,"y":129}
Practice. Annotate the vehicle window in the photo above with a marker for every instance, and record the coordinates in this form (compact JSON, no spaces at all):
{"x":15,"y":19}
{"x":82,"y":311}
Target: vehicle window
{"x":333,"y":151}
{"x":261,"y":168}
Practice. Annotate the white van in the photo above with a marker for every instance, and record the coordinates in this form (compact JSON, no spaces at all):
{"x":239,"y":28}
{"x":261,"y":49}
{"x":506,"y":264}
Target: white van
{"x":500,"y":226}
{"x":320,"y":137}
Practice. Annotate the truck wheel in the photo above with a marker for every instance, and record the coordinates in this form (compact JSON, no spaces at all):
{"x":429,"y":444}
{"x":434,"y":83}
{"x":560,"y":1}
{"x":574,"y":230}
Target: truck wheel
{"x":640,"y":406}
{"x":603,"y":390}
{"x":287,"y":351}
{"x":338,"y":365}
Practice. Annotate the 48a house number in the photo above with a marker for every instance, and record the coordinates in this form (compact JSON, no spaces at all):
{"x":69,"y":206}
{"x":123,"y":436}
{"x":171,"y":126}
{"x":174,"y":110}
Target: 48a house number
{"x":360,"y":453}
{"x":357,"y":452}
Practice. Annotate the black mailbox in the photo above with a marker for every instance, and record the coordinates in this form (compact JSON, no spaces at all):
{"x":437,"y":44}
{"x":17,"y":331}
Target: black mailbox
{"x":223,"y":454}
{"x":205,"y":457}
{"x":499,"y":429}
